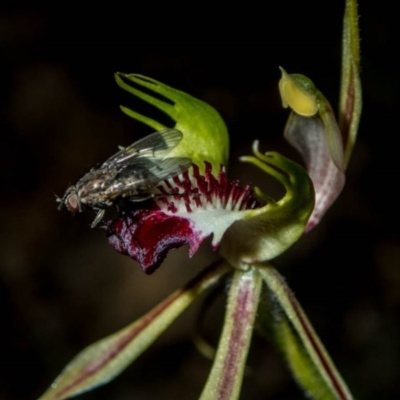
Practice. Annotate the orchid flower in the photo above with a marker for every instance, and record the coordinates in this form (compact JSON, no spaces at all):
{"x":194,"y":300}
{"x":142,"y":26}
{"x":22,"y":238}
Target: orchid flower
{"x":248,"y":228}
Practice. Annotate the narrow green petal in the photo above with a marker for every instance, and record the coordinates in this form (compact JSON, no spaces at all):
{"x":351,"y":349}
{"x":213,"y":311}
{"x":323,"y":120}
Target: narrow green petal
{"x":205,"y":136}
{"x":225,"y":379}
{"x":333,"y":134}
{"x":104,"y":360}
{"x":307,"y":358}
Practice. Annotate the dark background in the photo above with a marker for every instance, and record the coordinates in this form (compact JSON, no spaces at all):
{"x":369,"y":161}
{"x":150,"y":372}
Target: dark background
{"x":62,"y":286}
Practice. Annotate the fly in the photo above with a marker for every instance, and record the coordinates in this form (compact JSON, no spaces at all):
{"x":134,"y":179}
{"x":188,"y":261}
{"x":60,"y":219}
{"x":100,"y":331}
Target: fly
{"x":131,"y":173}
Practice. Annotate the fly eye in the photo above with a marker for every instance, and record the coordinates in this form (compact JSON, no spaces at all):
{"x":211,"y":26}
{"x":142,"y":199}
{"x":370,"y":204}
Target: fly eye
{"x":72,"y":203}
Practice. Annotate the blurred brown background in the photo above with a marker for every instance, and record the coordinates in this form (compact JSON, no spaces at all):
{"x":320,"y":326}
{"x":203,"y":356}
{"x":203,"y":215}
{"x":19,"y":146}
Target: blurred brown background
{"x":62,"y":286}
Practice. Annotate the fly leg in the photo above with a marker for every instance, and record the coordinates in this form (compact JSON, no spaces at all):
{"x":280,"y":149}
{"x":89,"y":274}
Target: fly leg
{"x":98,"y":218}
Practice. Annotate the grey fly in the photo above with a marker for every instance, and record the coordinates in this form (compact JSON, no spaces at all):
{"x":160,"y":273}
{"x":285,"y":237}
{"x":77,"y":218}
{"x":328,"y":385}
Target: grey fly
{"x":132,"y":173}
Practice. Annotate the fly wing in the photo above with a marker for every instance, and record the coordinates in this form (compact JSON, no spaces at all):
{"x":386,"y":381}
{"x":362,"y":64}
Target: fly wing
{"x":171,"y":167}
{"x":144,"y":174}
{"x":154,"y":146}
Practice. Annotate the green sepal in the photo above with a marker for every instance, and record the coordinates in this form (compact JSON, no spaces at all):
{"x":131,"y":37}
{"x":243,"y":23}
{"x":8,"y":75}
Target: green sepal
{"x":225,"y":379}
{"x":294,"y":335}
{"x":350,"y":102}
{"x":105,"y":359}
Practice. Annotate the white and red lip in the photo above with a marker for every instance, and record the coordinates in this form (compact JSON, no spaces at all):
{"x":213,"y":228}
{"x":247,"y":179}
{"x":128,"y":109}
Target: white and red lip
{"x":193,"y":207}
